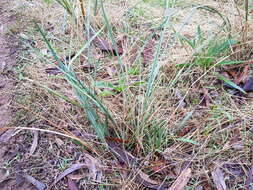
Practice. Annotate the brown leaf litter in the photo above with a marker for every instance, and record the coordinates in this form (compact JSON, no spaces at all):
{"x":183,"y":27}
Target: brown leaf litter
{"x":90,"y":162}
{"x":249,"y":181}
{"x":218,"y":179}
{"x":35,"y":142}
{"x":71,"y":184}
{"x":241,"y":76}
{"x":129,"y":160}
{"x":182,"y":180}
{"x":107,"y":47}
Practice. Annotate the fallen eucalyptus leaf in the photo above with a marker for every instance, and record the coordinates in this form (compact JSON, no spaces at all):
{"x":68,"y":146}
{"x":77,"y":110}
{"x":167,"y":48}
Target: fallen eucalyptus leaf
{"x":218,"y":179}
{"x":71,"y":184}
{"x":182,"y":180}
{"x":53,"y":71}
{"x":39,"y":185}
{"x":71,"y":169}
{"x":248,"y":86}
{"x":35,"y":142}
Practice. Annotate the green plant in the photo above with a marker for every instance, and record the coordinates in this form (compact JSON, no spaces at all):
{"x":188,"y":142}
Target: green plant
{"x":208,"y":49}
{"x":86,"y":96}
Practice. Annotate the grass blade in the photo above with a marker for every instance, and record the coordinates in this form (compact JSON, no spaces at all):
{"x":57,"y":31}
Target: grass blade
{"x":84,"y":94}
{"x":230,"y":83}
{"x":114,"y":43}
{"x":246,"y":4}
{"x":155,"y":67}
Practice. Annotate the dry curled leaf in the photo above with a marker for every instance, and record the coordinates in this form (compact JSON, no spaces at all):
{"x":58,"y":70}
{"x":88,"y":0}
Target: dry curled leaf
{"x":123,"y":156}
{"x":35,"y":142}
{"x":71,"y":169}
{"x":128,"y":159}
{"x":53,"y":71}
{"x":218,"y":179}
{"x":206,"y":99}
{"x":4,"y":174}
{"x":91,"y":163}
{"x":181,"y":98}
{"x":5,"y":137}
{"x":182,"y":180}
{"x":242,"y":76}
{"x":105,"y":46}
{"x":145,"y":180}
{"x":71,"y":184}
{"x":94,"y":168}
{"x":39,"y":185}
{"x":248,"y":86}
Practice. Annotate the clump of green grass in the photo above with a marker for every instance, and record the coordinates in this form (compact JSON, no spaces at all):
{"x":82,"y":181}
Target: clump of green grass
{"x":137,"y":104}
{"x":85,"y":95}
{"x":208,"y":50}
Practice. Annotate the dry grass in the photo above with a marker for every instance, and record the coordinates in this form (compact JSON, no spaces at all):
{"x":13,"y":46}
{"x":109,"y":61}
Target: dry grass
{"x":156,"y":129}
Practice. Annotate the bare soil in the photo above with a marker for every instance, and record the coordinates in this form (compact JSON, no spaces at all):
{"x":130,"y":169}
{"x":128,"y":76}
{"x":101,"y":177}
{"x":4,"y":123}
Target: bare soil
{"x":7,"y":81}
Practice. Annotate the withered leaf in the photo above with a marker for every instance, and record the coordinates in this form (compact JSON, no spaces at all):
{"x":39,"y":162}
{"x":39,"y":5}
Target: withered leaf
{"x":39,"y":185}
{"x":105,"y":46}
{"x":205,"y":100}
{"x":53,"y":71}
{"x":125,"y":157}
{"x":71,"y":169}
{"x":35,"y":142}
{"x":93,"y":166}
{"x":182,"y":180}
{"x":91,"y":163}
{"x":145,"y":180}
{"x":242,"y":76}
{"x":5,"y":137}
{"x":4,"y":174}
{"x":71,"y":184}
{"x":218,"y":179}
{"x":87,"y":67}
{"x":248,"y":86}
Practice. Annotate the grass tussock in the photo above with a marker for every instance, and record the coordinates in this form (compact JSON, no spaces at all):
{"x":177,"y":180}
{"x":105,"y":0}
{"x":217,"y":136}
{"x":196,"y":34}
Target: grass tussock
{"x":157,"y":91}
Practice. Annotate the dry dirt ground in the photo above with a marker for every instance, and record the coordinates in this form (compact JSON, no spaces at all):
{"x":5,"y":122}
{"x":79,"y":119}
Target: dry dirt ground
{"x":7,"y":80}
{"x":6,"y":83}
